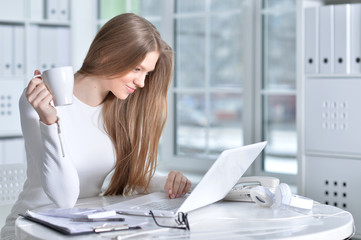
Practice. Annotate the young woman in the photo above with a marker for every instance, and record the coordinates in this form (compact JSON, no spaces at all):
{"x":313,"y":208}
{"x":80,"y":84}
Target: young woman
{"x":114,"y":123}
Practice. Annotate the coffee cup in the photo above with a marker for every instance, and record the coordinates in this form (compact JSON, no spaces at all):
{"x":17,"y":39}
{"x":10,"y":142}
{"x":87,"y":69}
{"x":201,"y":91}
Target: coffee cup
{"x":60,"y":82}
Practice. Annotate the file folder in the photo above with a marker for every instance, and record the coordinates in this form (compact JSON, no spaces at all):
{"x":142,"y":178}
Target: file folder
{"x":36,"y":9}
{"x":1,"y":50}
{"x":19,"y":50}
{"x":63,"y":47}
{"x":33,"y":49}
{"x":47,"y":47}
{"x":63,"y":10}
{"x":355,"y":38}
{"x":311,"y":40}
{"x":6,"y":54}
{"x":326,"y":43}
{"x":342,"y":38}
{"x":12,"y":10}
{"x":51,"y":9}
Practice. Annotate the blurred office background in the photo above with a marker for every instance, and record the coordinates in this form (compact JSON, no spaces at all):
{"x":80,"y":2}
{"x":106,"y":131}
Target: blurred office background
{"x":238,"y":77}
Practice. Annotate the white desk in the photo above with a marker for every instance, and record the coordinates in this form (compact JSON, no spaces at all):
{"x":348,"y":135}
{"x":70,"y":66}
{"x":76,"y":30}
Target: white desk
{"x":222,"y":220}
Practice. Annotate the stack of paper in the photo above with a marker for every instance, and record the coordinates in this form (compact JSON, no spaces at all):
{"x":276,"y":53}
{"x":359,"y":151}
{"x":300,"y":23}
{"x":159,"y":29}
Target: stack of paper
{"x":81,"y":221}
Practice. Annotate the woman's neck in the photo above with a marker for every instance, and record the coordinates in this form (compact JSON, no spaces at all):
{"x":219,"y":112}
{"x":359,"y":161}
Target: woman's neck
{"x":89,"y":90}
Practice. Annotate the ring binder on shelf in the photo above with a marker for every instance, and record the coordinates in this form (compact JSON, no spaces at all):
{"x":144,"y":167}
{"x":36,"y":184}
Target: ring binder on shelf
{"x":356,"y":38}
{"x":326,"y":44}
{"x":311,"y":40}
{"x":342,"y":38}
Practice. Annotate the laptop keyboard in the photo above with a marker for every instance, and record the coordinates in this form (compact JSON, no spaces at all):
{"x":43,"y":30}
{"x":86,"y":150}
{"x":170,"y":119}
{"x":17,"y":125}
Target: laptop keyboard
{"x":163,"y":204}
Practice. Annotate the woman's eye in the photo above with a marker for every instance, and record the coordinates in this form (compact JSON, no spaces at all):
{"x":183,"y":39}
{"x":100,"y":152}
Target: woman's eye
{"x":137,"y":69}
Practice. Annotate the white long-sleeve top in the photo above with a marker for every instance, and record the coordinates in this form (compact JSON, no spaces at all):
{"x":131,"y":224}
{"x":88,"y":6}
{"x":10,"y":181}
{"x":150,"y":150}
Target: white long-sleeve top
{"x":65,"y":161}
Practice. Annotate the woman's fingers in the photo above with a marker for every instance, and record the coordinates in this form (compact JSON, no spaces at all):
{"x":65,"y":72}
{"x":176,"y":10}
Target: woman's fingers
{"x":32,"y":86}
{"x":40,"y":98}
{"x":177,"y":184}
{"x":36,"y":92}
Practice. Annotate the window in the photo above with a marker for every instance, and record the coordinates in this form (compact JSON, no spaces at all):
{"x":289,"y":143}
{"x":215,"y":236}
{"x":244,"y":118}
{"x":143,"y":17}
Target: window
{"x":212,"y":64}
{"x":221,"y":95}
{"x":149,"y":9}
{"x":278,"y":91}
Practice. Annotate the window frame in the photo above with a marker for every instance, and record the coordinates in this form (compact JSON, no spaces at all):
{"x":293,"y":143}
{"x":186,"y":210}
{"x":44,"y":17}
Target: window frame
{"x":252,"y":91}
{"x":260,"y":93}
{"x":168,"y":159}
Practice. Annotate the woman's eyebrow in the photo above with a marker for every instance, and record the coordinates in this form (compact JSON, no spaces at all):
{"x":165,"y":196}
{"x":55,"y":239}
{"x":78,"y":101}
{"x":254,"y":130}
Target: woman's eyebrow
{"x":145,"y":69}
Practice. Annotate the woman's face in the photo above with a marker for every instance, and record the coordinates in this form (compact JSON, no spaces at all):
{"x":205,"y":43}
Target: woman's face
{"x":122,"y":86}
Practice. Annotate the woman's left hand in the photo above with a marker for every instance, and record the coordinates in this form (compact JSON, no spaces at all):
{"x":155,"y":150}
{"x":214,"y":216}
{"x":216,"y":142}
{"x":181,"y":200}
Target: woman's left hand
{"x":177,"y":184}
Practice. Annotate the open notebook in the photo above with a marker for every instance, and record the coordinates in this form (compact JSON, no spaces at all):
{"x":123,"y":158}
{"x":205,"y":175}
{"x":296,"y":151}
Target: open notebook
{"x":214,"y":186}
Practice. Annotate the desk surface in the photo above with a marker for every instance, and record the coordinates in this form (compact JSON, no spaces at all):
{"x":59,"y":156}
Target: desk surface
{"x":221,"y":220}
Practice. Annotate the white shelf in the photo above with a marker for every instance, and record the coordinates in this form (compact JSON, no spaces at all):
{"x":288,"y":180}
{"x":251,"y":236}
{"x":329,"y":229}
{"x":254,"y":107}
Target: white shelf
{"x":12,"y":21}
{"x":326,"y":147}
{"x":333,"y":76}
{"x":50,"y":23}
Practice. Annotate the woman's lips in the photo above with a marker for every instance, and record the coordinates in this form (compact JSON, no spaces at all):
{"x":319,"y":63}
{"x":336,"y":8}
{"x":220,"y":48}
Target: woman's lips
{"x":130,"y":90}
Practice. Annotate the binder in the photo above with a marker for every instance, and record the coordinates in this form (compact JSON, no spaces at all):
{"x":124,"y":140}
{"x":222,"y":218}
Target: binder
{"x":13,"y":10}
{"x":47,"y":48}
{"x":51,"y":9}
{"x":63,"y":46}
{"x":1,"y":50}
{"x":355,"y":38}
{"x":311,"y":40}
{"x":33,"y":49}
{"x":36,"y":10}
{"x":6,"y":53}
{"x":63,"y":10}
{"x":326,"y":43}
{"x":342,"y":38}
{"x":43,"y":52}
{"x":19,"y":51}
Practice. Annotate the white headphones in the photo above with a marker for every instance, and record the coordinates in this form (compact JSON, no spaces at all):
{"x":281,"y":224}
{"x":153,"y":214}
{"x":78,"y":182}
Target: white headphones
{"x":282,"y":197}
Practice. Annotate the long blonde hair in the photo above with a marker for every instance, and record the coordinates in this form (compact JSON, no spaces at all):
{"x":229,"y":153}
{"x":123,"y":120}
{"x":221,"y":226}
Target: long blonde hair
{"x":136,"y":123}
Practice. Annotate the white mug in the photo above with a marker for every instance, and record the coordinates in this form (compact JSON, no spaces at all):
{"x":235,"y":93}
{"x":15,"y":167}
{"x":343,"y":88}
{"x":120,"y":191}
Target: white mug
{"x":60,"y":82}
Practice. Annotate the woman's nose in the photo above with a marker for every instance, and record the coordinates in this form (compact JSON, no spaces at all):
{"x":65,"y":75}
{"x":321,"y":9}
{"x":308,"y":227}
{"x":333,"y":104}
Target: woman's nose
{"x":139,"y":81}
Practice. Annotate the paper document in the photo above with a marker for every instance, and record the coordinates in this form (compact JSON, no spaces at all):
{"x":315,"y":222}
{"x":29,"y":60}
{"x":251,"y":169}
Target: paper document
{"x":78,"y":212}
{"x":67,"y":226}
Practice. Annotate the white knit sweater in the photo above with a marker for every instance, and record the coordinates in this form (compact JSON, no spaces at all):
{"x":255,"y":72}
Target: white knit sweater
{"x":65,"y":161}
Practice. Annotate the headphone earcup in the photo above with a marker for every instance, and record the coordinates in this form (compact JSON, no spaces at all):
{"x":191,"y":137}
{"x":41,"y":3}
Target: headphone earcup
{"x":283,"y":195}
{"x":262,"y":196}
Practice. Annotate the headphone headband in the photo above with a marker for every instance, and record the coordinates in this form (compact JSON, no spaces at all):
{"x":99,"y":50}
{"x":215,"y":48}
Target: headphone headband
{"x":282,"y":197}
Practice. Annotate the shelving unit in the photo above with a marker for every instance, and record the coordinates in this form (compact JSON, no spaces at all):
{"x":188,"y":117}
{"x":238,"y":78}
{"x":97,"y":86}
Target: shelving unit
{"x":34,"y":34}
{"x":328,"y":107}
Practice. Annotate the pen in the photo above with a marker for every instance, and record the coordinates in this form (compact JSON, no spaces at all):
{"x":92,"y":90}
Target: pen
{"x":97,"y":219}
{"x":106,"y":228}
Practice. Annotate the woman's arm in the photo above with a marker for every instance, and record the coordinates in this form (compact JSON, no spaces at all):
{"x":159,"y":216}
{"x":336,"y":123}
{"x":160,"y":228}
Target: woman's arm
{"x":58,"y":174}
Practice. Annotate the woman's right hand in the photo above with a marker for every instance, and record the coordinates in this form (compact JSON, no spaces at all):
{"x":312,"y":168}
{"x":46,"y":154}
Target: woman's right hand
{"x":39,"y":97}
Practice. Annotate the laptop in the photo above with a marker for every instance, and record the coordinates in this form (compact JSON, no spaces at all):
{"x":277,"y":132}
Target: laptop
{"x":214,"y":186}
